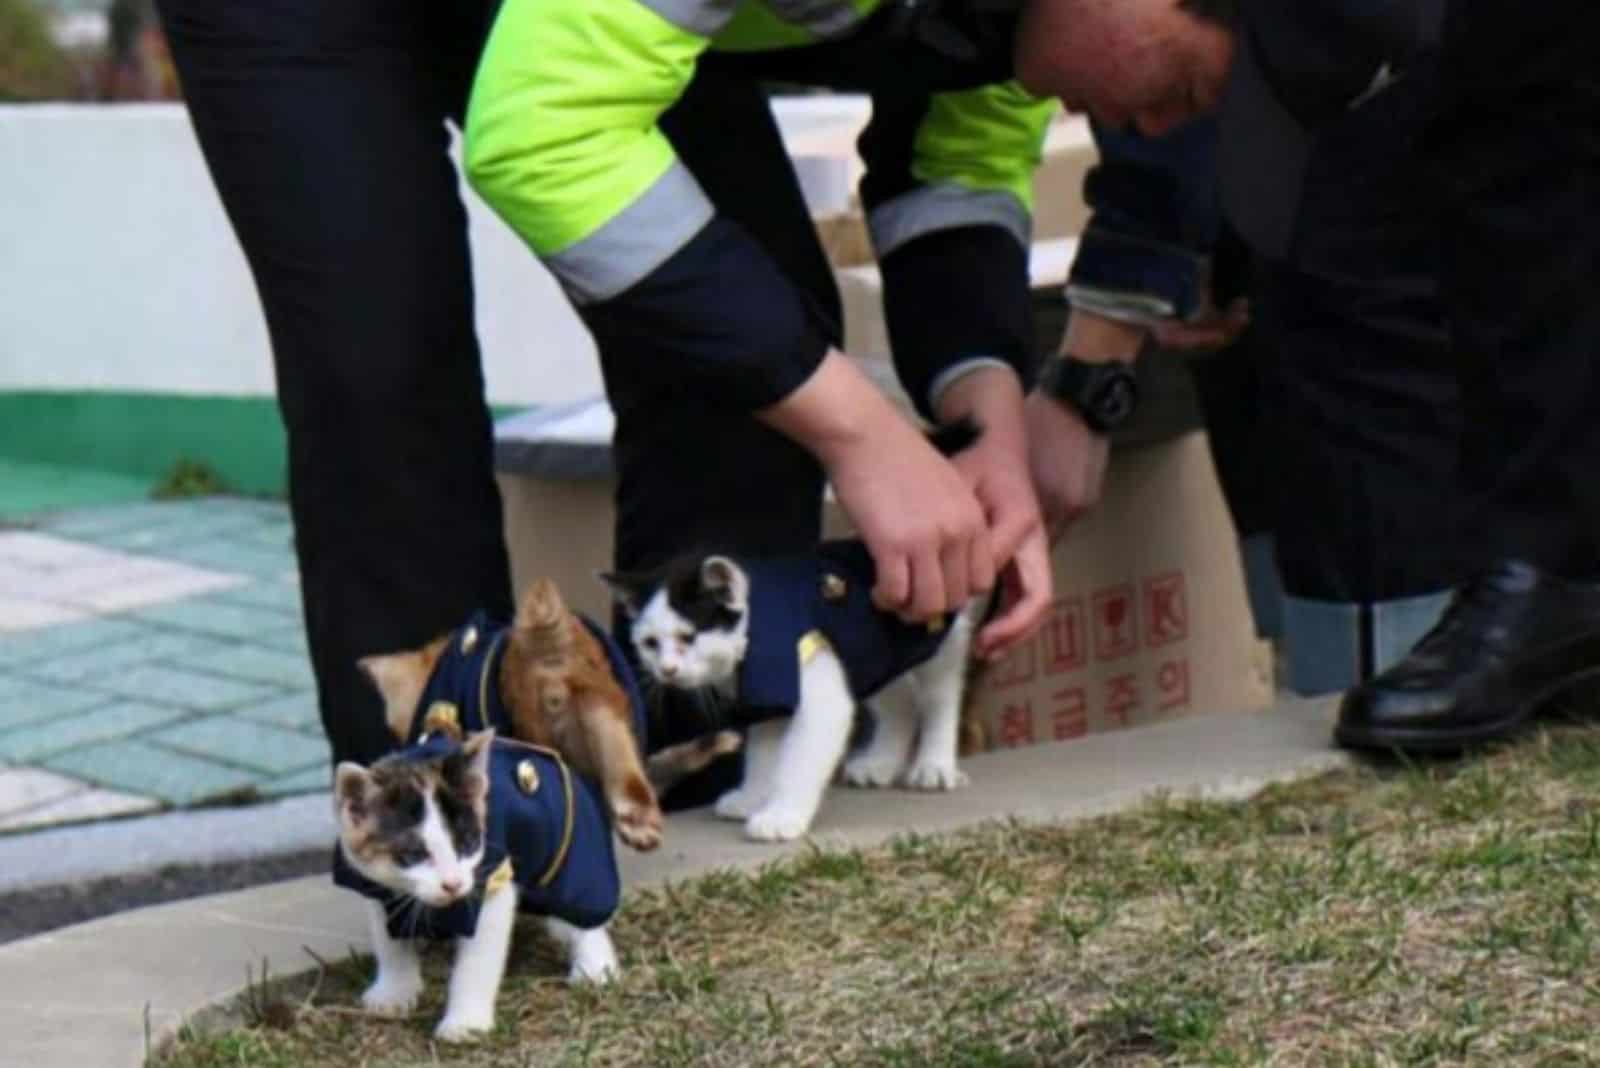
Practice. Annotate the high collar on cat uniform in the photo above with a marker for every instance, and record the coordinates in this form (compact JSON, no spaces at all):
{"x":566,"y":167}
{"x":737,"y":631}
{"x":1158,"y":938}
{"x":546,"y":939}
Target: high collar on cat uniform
{"x":464,"y":687}
{"x":797,"y":601}
{"x":547,"y":837}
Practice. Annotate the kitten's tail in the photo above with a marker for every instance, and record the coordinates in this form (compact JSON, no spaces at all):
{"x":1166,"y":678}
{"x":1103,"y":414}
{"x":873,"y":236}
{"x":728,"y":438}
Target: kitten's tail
{"x":543,"y":622}
{"x":666,"y":767}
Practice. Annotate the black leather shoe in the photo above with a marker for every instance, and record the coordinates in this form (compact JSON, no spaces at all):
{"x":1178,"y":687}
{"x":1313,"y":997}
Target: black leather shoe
{"x":1509,"y":642}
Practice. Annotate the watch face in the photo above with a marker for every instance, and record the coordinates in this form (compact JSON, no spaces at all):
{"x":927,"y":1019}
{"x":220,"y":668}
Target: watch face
{"x":1115,"y":400}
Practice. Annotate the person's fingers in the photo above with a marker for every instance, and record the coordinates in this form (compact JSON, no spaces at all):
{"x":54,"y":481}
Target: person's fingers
{"x":954,"y":560}
{"x":927,"y":586}
{"x":981,"y":569}
{"x":1029,"y":590}
{"x":893,"y":588}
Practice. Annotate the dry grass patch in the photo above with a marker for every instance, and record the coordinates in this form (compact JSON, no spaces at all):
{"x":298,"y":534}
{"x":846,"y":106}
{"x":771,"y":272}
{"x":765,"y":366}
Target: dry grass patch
{"x":1431,"y":915}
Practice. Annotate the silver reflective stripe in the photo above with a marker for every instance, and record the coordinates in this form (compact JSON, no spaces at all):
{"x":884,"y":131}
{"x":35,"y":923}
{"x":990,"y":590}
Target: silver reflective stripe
{"x":940,"y":207}
{"x":702,"y":17}
{"x":825,"y":18}
{"x":636,"y":241}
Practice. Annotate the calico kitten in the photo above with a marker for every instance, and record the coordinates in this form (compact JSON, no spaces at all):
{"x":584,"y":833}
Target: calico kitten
{"x":559,"y":689}
{"x":418,"y":825}
{"x":690,"y":625}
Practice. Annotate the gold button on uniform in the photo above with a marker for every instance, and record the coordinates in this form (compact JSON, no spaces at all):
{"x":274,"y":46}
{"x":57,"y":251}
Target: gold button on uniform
{"x":442,"y":716}
{"x":469,"y":640}
{"x":527,"y":776}
{"x":833,"y":588}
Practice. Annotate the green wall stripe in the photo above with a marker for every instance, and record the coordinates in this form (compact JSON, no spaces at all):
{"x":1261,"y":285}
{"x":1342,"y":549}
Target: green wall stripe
{"x":144,"y":435}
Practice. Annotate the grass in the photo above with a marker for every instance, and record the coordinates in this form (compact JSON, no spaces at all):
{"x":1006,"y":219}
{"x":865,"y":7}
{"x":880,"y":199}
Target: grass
{"x":189,"y":478}
{"x":1387,"y":915}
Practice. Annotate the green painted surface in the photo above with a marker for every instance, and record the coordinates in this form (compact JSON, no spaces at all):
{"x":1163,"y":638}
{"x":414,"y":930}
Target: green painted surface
{"x":145,"y":434}
{"x":76,"y":448}
{"x":29,"y":487}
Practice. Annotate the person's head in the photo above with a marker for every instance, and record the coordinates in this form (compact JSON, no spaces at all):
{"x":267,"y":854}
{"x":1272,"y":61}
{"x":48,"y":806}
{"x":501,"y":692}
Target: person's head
{"x":1152,"y":63}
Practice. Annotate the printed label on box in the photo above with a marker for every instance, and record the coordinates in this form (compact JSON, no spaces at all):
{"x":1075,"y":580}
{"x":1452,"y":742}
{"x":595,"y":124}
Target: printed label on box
{"x":1116,"y":631}
{"x":1166,"y":610}
{"x":1069,"y":713}
{"x":1016,"y":724}
{"x":1172,"y":684}
{"x":1122,"y":699}
{"x":1064,"y":637}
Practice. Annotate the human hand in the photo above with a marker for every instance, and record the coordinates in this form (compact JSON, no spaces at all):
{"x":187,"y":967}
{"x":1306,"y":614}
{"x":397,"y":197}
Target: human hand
{"x":918,"y":516}
{"x":996,"y":468}
{"x":1067,"y":461}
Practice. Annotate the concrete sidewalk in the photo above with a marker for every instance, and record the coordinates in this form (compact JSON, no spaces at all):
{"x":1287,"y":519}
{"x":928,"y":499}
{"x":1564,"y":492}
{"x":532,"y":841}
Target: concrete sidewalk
{"x":152,"y":657}
{"x":81,"y":996}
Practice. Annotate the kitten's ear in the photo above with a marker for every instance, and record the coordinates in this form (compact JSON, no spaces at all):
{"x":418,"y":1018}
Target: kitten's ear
{"x":628,"y":590}
{"x":726,"y":581}
{"x":352,"y":784}
{"x":401,"y":678}
{"x":476,"y":749}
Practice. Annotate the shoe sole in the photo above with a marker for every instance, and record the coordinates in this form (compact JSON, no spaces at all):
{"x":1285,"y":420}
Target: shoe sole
{"x":1429,"y":742}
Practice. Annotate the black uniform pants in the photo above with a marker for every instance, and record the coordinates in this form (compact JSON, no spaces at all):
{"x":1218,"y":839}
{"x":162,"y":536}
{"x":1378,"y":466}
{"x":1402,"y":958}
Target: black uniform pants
{"x":1514,"y":158}
{"x":1358,"y":389}
{"x":324,"y":128}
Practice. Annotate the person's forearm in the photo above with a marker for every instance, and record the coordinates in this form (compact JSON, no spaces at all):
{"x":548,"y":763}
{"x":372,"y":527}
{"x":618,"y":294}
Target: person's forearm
{"x":831,"y":412}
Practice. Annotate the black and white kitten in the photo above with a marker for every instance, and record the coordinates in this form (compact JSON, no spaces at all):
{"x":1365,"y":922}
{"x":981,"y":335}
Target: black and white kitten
{"x":690,"y":625}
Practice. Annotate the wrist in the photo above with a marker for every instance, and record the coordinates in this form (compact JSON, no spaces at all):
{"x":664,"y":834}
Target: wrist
{"x":832,"y":413}
{"x":1094,"y":338}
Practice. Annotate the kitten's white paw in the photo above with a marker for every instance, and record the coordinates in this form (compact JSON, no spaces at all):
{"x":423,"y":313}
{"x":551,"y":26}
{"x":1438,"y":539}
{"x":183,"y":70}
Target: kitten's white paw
{"x":392,"y":997}
{"x":595,"y":967}
{"x":936,"y":775}
{"x":464,"y":1026}
{"x":776,"y":825}
{"x":736,"y":804}
{"x":870,"y":771}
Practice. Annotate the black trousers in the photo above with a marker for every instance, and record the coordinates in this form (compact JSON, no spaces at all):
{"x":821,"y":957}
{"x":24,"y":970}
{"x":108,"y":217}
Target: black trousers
{"x":324,"y":128}
{"x":1358,"y":378}
{"x":1336,"y":419}
{"x":1513,"y":152}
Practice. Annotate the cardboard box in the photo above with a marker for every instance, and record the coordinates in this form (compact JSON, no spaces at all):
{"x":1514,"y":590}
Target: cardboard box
{"x":1150,"y":620}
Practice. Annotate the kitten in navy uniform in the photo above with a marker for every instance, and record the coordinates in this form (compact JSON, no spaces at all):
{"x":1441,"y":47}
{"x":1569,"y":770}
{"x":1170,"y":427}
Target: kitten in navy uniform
{"x":691,"y":627}
{"x":418,"y":828}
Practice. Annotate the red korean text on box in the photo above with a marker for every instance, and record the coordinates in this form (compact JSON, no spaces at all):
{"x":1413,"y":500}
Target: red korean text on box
{"x":1122,"y":699}
{"x":1172,"y":684}
{"x":1016,"y":724}
{"x":1069,"y":713}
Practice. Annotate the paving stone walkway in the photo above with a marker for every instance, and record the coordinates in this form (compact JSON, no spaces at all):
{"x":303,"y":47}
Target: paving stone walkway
{"x":152,"y":656}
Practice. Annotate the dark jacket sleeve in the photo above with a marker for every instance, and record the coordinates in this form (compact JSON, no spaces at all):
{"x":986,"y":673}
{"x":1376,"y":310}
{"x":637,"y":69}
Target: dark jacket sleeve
{"x":1146,"y":252}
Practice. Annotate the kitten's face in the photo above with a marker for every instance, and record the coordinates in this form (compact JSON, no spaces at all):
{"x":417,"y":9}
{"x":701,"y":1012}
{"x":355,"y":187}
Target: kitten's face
{"x":689,"y":622}
{"x":417,"y":827}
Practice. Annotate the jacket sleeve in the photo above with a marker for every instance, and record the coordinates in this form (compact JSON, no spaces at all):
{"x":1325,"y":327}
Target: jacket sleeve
{"x":562,"y":142}
{"x":1146,"y":251}
{"x":948,"y":194}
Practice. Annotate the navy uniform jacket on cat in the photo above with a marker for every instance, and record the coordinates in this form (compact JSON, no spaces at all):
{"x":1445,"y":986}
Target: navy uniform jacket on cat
{"x":548,"y":829}
{"x":797,"y":600}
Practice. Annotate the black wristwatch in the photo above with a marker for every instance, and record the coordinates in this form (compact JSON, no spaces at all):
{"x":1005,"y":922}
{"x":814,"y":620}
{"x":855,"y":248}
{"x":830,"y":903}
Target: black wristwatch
{"x":1104,"y":394}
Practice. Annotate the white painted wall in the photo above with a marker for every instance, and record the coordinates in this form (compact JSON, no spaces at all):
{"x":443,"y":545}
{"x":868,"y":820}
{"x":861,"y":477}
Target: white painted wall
{"x":138,"y":283}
